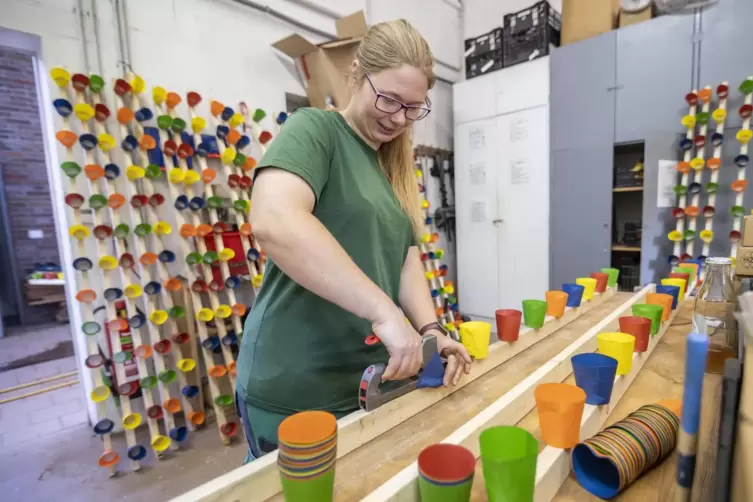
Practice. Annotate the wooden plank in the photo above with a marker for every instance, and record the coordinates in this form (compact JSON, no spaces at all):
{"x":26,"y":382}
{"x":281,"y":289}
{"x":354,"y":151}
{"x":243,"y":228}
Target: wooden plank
{"x":259,"y":480}
{"x":508,"y":409}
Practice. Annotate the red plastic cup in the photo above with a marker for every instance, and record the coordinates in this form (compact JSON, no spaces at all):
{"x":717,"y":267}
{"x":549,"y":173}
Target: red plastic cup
{"x":508,"y":324}
{"x":640,"y":328}
{"x":601,"y":281}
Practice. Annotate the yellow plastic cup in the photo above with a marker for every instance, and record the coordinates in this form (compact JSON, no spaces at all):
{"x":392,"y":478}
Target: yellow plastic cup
{"x":589,"y":287}
{"x":83,"y":111}
{"x":176,"y":175}
{"x":475,"y":336}
{"x":79,"y":232}
{"x":162,"y":228}
{"x":198,"y":124}
{"x":205,"y":315}
{"x":133,"y":291}
{"x":135,"y":172}
{"x":158,"y":317}
{"x":676,"y":282}
{"x":223,"y":311}
{"x":236,"y":120}
{"x":618,"y":346}
{"x":191,"y":177}
{"x":226,"y":254}
{"x":131,"y":421}
{"x":158,"y":95}
{"x":257,"y":280}
{"x":106,"y":142}
{"x":160,"y":443}
{"x":228,"y":155}
{"x":60,"y":76}
{"x":100,"y":393}
{"x":137,"y":84}
{"x":108,"y":262}
{"x":186,"y":365}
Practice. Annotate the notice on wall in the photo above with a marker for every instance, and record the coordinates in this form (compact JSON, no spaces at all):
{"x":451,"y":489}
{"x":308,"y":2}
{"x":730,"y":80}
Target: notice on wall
{"x":478,"y":211}
{"x":665,"y":183}
{"x":478,"y":174}
{"x":518,"y":130}
{"x":520,"y":172}
{"x":476,"y":138}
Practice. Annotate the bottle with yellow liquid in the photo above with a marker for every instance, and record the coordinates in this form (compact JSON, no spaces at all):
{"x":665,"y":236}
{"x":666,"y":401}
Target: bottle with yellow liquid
{"x":714,"y":313}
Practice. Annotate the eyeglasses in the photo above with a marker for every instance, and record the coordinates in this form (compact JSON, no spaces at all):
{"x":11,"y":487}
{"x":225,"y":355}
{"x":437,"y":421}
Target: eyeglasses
{"x":390,"y":105}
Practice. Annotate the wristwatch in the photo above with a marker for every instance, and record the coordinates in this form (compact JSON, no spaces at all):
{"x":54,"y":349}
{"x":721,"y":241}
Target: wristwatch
{"x":433,"y":325}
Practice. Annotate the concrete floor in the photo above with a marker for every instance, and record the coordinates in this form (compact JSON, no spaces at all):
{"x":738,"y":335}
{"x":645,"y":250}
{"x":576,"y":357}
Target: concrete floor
{"x":49,"y":453}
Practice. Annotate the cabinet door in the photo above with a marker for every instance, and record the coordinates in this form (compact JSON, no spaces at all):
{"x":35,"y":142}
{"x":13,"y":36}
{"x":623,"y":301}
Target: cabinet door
{"x":654,"y":72}
{"x":725,"y":51}
{"x":581,"y":212}
{"x":582,"y":97}
{"x":523,"y":193}
{"x":476,"y":165}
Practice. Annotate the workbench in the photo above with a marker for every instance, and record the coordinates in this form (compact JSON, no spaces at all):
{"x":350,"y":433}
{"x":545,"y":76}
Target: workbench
{"x":381,"y":458}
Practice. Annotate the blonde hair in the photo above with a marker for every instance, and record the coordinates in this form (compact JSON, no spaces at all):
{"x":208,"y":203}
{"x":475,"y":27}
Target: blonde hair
{"x":390,"y":45}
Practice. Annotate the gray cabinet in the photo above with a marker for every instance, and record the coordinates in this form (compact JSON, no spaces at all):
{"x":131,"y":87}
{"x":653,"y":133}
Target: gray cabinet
{"x":581,"y":212}
{"x":582,"y":102}
{"x":654,"y":72}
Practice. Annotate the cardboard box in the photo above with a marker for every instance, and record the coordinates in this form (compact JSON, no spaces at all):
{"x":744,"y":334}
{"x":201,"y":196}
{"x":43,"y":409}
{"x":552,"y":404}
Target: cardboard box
{"x":628,"y":18}
{"x":583,"y":19}
{"x":325,"y":67}
{"x":748,"y":231}
{"x":744,"y":259}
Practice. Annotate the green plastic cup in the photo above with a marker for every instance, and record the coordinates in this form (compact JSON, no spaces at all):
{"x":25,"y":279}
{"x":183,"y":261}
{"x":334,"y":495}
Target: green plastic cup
{"x":316,"y":489}
{"x":508,"y":459}
{"x":534,"y":313}
{"x":437,"y":492}
{"x":685,"y":270}
{"x":614,"y":275}
{"x":651,"y":312}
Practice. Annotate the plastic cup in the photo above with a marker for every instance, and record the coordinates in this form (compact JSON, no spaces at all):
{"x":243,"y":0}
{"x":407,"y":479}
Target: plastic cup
{"x":680,"y":283}
{"x":508,"y":324}
{"x":673,"y":291}
{"x":685,"y":268}
{"x":594,"y":373}
{"x":619,"y":346}
{"x":508,"y":459}
{"x":601,"y":281}
{"x":556,"y":301}
{"x":695,"y":266}
{"x":614,"y":275}
{"x":589,"y":286}
{"x":318,"y":488}
{"x":560,"y":409}
{"x":475,"y":337}
{"x":662,"y":299}
{"x":574,"y":294}
{"x":640,"y":328}
{"x":682,"y":275}
{"x":534,"y":313}
{"x":445,"y":473}
{"x":651,"y":312}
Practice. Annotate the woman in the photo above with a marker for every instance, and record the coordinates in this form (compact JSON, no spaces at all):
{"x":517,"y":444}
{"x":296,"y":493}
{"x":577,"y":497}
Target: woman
{"x":335,"y":206}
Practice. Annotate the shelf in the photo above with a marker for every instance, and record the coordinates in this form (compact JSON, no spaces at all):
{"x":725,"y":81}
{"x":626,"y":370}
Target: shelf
{"x":628,"y":189}
{"x":628,"y":249}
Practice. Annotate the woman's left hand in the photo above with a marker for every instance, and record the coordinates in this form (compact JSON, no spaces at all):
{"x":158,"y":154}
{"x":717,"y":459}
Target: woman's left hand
{"x":458,"y":360}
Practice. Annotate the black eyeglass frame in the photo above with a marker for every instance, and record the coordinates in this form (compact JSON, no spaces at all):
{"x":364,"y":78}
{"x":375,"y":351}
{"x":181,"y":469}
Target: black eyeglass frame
{"x":403,"y":106}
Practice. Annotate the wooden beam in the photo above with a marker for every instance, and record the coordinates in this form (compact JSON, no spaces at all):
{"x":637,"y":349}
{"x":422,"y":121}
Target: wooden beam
{"x":259,"y":480}
{"x":511,"y":407}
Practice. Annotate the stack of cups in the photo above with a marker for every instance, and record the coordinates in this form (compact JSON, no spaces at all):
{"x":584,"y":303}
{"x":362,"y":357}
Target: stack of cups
{"x":306,"y":457}
{"x":445,"y":473}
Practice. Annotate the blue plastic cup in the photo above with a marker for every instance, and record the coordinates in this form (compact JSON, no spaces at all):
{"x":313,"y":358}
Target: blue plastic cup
{"x":574,"y":294}
{"x":594,"y":373}
{"x":670,"y":290}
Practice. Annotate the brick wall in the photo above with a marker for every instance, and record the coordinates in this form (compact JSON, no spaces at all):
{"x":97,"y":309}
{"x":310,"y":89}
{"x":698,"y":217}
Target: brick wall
{"x":24,"y":172}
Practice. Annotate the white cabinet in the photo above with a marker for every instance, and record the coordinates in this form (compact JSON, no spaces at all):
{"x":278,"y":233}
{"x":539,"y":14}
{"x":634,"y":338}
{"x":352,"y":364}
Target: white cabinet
{"x":502,"y":190}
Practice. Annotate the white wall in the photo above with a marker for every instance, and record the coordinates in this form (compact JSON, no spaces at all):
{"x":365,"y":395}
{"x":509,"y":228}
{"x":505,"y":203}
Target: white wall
{"x":221,"y":49}
{"x":482,"y":16}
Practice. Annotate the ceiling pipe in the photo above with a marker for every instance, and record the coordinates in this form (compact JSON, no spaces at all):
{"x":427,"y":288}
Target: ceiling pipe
{"x":283,"y":17}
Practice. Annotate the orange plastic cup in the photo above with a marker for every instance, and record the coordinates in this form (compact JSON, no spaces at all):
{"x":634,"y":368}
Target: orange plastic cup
{"x":560,"y":409}
{"x":694,"y":266}
{"x":555,"y":303}
{"x":601,"y":281}
{"x":662,"y":299}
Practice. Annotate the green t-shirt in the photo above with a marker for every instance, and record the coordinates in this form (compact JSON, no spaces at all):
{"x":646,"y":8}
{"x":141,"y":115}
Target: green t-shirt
{"x":299,"y":351}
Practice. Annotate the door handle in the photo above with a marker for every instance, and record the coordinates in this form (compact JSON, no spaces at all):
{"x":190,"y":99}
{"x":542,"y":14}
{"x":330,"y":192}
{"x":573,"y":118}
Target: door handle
{"x":497,"y":221}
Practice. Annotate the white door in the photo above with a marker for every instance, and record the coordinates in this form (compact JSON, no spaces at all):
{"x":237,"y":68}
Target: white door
{"x":523,"y":192}
{"x":476,"y":207}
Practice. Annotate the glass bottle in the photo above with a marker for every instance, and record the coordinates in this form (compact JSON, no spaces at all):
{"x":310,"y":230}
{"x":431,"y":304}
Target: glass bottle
{"x":713,"y":313}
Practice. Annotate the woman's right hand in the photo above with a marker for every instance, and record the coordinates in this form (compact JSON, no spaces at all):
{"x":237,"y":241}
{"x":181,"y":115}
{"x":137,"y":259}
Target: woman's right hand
{"x":403,"y":344}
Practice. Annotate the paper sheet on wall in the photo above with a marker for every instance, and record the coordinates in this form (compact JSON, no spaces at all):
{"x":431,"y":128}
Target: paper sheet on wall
{"x":478,"y":174}
{"x":478,"y":211}
{"x":476,"y":138}
{"x":520,"y":172}
{"x":518,"y":130}
{"x":665,"y":183}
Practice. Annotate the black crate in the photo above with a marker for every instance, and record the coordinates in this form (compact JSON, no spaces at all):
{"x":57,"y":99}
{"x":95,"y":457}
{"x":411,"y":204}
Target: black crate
{"x":475,"y":47}
{"x":483,"y":64}
{"x":530,"y":33}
